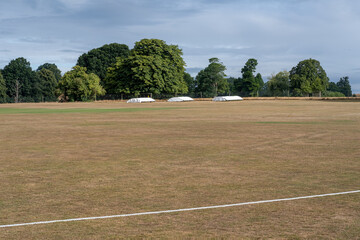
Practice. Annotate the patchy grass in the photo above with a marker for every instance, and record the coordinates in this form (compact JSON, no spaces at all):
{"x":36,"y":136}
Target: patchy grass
{"x":69,"y":165}
{"x":291,"y":122}
{"x":73,"y":110}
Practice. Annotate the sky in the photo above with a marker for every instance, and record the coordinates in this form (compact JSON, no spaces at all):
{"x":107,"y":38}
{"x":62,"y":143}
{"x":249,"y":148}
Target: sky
{"x":278,"y":33}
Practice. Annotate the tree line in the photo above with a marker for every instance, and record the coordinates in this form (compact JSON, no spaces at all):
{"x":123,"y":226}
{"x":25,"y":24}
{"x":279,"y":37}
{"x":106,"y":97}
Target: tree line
{"x":153,"y":67}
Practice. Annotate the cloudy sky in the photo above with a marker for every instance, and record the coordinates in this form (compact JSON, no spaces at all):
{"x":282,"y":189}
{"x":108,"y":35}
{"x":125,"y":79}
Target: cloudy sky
{"x":278,"y":33}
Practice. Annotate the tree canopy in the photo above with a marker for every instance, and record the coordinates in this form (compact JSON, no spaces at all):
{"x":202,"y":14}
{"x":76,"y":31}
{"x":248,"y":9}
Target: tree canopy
{"x":53,"y":68}
{"x":47,"y":84}
{"x":3,"y":96}
{"x":190,"y":82}
{"x":77,"y":85}
{"x":279,"y":84}
{"x":98,"y":60}
{"x":211,"y":81}
{"x":21,"y":81}
{"x":344,"y":86}
{"x":152,"y":67}
{"x":308,"y":77}
{"x":250,"y":84}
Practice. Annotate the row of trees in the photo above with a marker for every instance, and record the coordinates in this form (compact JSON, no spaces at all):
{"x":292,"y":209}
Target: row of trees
{"x":19,"y":83}
{"x":282,"y":85}
{"x":308,"y":78}
{"x":154,"y":67}
{"x":212,"y":80}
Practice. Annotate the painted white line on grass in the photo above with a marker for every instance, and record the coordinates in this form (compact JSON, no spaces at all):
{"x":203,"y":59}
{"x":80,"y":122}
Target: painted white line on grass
{"x":178,"y":210}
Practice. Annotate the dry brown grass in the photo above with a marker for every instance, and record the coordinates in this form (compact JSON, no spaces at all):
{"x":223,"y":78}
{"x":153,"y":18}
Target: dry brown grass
{"x":69,"y":165}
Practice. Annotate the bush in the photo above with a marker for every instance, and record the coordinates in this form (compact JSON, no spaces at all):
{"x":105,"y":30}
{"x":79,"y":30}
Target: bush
{"x":333,"y":94}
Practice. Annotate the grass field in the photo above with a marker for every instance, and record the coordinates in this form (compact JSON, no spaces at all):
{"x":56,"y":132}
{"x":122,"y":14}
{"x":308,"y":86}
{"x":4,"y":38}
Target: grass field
{"x":72,"y":160}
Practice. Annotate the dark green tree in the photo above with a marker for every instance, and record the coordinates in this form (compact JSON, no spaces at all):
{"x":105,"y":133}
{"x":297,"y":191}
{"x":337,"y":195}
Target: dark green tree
{"x":249,"y":84}
{"x":190,"y":82}
{"x":308,"y":77}
{"x":77,"y":85}
{"x":344,"y":86}
{"x":152,"y":67}
{"x":98,"y":60}
{"x":231,"y":82}
{"x":53,"y":68}
{"x":279,"y":84}
{"x":21,"y":82}
{"x":259,"y":83}
{"x":211,"y":81}
{"x":333,"y":87}
{"x":3,"y":96}
{"x":47,"y":84}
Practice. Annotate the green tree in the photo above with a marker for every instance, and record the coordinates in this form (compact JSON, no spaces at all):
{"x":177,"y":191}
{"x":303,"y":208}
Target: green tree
{"x":333,"y":87}
{"x":3,"y":96}
{"x":279,"y":84}
{"x":98,"y":60}
{"x":333,"y":94}
{"x":77,"y":85}
{"x":249,"y":84}
{"x":190,"y":83}
{"x":211,"y":81}
{"x":344,"y":86}
{"x":47,"y":84}
{"x":152,"y":67}
{"x":21,"y":81}
{"x":308,"y":77}
{"x":231,"y":82}
{"x":53,"y":68}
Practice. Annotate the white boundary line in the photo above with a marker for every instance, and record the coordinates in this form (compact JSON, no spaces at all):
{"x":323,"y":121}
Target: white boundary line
{"x":177,"y":210}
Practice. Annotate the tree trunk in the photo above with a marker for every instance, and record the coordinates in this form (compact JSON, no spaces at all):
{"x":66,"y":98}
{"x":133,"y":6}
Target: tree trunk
{"x":17,"y":88}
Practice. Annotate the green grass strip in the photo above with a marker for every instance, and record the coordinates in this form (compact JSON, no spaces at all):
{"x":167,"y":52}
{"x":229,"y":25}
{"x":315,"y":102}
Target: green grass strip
{"x":75,"y":110}
{"x":290,"y":122}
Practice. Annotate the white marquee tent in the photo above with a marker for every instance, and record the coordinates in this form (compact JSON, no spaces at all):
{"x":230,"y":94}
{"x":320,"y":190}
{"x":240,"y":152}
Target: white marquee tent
{"x":180,"y":99}
{"x":227,"y":98}
{"x":140,"y":100}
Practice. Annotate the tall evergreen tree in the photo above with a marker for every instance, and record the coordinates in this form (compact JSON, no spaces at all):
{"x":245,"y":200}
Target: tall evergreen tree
{"x":249,"y":84}
{"x":344,"y":86}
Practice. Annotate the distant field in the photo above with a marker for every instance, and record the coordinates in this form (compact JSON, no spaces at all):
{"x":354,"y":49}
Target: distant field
{"x":72,"y":160}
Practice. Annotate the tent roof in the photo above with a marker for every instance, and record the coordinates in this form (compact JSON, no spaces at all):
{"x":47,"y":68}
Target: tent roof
{"x":227,"y":98}
{"x":140,"y":100}
{"x":180,"y":99}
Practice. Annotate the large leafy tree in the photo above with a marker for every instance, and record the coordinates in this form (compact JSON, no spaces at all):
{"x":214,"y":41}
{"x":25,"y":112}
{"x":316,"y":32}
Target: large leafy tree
{"x":308,"y":77}
{"x":211,"y":81}
{"x":279,"y":84}
{"x":344,"y":86}
{"x":98,"y":60}
{"x":47,"y":84}
{"x":53,"y":68}
{"x":152,"y":67}
{"x":3,"y":96}
{"x":77,"y":85}
{"x":250,"y":84}
{"x":21,"y":81}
